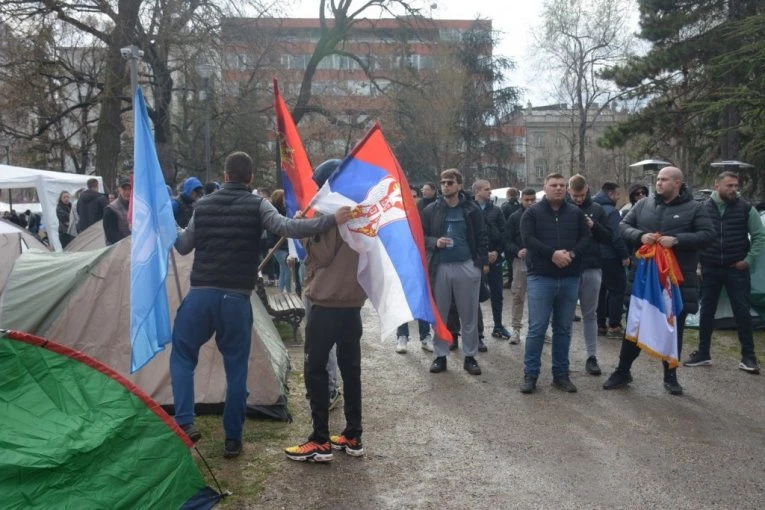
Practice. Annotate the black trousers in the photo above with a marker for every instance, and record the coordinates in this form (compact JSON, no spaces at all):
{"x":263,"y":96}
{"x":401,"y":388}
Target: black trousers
{"x":494,"y":278}
{"x":630,"y":351}
{"x":612,"y":289}
{"x":738,"y":285}
{"x":324,"y":328}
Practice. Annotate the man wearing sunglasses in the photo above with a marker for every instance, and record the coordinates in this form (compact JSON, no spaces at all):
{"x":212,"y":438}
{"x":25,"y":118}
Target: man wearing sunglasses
{"x":457,"y":244}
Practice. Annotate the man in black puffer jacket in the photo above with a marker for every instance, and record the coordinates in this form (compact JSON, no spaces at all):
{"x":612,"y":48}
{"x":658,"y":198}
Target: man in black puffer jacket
{"x":557,"y":237}
{"x":673,"y":219}
{"x":225,"y":230}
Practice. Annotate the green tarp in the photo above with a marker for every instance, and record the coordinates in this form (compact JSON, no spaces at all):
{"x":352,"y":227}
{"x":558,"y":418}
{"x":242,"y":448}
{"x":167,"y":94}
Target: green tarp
{"x":73,"y":436}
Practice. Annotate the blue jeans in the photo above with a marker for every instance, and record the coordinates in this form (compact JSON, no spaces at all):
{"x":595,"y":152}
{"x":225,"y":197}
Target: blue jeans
{"x":202,"y":313}
{"x":550,"y":296}
{"x":285,"y":271}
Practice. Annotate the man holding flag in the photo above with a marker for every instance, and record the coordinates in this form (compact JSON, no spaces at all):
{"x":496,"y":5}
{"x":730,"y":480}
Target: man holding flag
{"x":225,"y":230}
{"x":671,"y":219}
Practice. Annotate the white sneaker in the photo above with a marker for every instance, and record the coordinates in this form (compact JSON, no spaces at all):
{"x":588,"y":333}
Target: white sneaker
{"x":515,"y":339}
{"x":427,"y":343}
{"x":401,"y":344}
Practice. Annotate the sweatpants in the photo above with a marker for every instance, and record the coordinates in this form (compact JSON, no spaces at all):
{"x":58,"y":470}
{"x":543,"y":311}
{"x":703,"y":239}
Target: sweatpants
{"x":462,"y":280}
{"x":518,"y":291}
{"x":324,"y":328}
{"x":589,"y":292}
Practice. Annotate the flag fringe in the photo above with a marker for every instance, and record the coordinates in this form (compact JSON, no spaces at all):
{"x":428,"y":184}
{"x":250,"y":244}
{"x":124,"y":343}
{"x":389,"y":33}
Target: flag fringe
{"x":672,"y":362}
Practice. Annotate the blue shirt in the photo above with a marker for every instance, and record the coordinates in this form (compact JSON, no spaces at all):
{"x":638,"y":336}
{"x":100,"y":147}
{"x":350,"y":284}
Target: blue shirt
{"x":456,"y":228}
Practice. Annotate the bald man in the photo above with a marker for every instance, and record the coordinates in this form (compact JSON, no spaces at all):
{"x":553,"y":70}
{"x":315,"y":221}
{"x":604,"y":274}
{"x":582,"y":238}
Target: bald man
{"x":672,"y":219}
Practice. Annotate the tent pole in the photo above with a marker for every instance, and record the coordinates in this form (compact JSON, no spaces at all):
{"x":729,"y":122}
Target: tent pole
{"x":175,"y":273}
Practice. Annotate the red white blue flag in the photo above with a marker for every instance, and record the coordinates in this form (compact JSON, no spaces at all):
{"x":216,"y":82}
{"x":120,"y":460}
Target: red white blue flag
{"x":656,"y":303}
{"x":386,"y":231}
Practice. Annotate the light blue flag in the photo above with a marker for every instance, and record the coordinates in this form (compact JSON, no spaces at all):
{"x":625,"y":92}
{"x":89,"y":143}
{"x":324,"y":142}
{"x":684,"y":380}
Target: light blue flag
{"x":153,"y":235}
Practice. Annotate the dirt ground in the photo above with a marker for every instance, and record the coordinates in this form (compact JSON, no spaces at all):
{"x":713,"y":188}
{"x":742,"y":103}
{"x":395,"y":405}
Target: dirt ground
{"x":452,"y":440}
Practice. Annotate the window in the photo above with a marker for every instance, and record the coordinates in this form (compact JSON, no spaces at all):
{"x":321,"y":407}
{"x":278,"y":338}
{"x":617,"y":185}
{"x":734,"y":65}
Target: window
{"x":539,"y":141}
{"x":540,"y":166}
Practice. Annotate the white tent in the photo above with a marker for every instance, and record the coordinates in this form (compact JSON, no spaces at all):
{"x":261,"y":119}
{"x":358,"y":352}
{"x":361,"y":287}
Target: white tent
{"x":49,"y":186}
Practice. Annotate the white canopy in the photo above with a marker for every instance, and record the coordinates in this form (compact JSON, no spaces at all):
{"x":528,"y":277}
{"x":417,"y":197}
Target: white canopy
{"x":49,"y":186}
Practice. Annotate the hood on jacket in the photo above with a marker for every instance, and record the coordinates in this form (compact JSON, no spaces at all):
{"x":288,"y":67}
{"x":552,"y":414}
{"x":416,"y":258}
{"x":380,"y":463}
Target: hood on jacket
{"x":633,"y":188}
{"x":189,"y":185}
{"x":602,"y":198}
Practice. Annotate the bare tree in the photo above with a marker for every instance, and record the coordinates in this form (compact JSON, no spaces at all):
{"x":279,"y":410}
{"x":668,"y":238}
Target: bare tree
{"x":581,"y":38}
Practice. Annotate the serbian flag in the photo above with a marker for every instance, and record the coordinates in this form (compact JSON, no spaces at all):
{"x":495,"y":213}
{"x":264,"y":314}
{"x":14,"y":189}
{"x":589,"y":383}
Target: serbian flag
{"x":656,"y":303}
{"x":386,"y":231}
{"x":297,"y":174}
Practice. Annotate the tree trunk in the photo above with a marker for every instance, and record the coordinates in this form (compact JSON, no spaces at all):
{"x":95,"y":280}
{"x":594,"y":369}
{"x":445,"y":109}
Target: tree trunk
{"x":110,"y":126}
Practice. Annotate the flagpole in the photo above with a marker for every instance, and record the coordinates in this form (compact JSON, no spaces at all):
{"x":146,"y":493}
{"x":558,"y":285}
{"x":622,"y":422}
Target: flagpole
{"x":133,"y":54}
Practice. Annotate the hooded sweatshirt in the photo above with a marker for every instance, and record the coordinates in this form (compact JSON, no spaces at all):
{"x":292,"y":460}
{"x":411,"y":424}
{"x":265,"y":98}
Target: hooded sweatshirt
{"x":183,"y":205}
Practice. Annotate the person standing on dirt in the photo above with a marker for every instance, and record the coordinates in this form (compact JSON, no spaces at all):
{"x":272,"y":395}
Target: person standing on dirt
{"x":457,"y":244}
{"x":557,"y":237}
{"x":225,"y":232}
{"x":331,"y":284}
{"x":516,"y":252}
{"x":726,"y":262}
{"x":674,"y":220}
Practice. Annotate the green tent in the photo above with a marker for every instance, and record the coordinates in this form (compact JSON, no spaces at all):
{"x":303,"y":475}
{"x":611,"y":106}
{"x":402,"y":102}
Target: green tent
{"x":75,"y":434}
{"x":82,"y":299}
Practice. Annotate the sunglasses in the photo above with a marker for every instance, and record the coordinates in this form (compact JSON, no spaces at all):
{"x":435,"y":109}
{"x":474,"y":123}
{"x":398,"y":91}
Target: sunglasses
{"x":447,"y":183}
{"x":639,"y":194}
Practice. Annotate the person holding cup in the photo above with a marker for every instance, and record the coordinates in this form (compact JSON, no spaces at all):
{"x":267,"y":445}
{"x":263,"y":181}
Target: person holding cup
{"x":457,"y":244}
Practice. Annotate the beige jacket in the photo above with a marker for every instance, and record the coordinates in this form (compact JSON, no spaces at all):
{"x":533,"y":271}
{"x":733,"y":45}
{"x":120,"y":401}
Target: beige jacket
{"x":330,"y":272}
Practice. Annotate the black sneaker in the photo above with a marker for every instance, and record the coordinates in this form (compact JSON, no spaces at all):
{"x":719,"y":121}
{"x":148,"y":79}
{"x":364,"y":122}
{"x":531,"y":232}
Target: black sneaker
{"x":529,"y":384}
{"x":696,"y":359}
{"x":471,"y":365}
{"x":232,"y":448}
{"x":482,"y":346}
{"x":749,"y":365}
{"x":602,"y":331}
{"x":672,"y":386}
{"x":577,"y":318}
{"x":501,"y":333}
{"x":563,"y":383}
{"x":617,"y":380}
{"x":438,"y":365}
{"x":191,"y":430}
{"x":591,"y":366}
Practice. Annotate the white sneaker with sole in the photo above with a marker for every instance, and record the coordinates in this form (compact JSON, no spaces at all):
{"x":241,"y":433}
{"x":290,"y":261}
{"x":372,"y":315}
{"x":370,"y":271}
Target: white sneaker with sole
{"x":515,"y":339}
{"x":401,"y":344}
{"x":427,"y":343}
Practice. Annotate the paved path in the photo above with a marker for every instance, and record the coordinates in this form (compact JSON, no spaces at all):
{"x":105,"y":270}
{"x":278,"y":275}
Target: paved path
{"x":452,"y":440}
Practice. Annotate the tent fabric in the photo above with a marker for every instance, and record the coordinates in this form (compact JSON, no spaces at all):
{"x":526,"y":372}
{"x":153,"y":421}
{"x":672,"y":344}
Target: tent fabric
{"x":83,"y":299}
{"x":14,"y":241}
{"x":89,"y":239}
{"x":78,"y":435}
{"x":49,"y":186}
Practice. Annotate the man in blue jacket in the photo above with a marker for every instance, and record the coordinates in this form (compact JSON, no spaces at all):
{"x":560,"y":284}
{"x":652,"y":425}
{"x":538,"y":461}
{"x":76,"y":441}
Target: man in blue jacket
{"x":556,"y":236}
{"x":183,"y":204}
{"x":614,"y":258}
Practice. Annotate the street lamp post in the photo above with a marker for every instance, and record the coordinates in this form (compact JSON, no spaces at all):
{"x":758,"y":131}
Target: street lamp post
{"x":205,"y":71}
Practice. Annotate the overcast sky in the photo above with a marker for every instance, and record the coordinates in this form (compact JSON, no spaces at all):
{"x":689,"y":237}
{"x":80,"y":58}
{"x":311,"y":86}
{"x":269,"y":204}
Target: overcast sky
{"x":513,"y":20}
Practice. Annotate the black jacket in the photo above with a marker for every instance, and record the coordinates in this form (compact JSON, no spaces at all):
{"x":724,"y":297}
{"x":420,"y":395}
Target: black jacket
{"x":512,"y":237}
{"x":495,"y":226}
{"x":616,"y":248}
{"x":600,"y":231}
{"x":63,"y":212}
{"x":227,"y":232}
{"x":545,"y":230}
{"x":433,"y":219}
{"x":683,"y":218}
{"x":731,"y":240}
{"x":90,"y":208}
{"x":424,"y":202}
{"x":509,"y":207}
{"x":184,"y":211}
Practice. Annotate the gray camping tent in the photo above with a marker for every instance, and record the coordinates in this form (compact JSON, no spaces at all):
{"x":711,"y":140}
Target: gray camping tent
{"x":14,"y":241}
{"x":82,"y":300}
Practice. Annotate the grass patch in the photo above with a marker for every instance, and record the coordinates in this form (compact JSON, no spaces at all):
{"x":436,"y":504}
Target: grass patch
{"x":262,"y":440}
{"x":725,"y":343}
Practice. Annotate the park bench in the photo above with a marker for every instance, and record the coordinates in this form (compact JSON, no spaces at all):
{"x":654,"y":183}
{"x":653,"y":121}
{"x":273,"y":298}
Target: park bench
{"x":283,"y":307}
